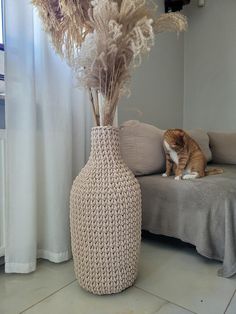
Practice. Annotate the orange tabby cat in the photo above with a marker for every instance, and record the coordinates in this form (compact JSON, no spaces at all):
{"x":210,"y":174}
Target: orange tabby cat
{"x":184,"y":156}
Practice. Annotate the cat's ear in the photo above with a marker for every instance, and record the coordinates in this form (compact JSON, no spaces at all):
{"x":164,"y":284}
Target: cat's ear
{"x":181,"y":138}
{"x":181,"y":133}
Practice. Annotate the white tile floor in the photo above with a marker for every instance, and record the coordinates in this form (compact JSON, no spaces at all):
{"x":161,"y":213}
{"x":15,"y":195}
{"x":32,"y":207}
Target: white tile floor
{"x":173,"y":279}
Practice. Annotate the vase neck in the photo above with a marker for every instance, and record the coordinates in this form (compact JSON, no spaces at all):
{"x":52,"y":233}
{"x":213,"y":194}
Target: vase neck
{"x":105,"y":143}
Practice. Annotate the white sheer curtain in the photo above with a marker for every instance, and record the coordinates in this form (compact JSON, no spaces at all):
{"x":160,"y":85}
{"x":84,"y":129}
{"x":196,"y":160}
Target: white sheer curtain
{"x":47,"y":127}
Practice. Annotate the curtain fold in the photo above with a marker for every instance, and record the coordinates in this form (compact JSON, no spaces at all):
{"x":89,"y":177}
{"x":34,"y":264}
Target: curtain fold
{"x":48,"y":122}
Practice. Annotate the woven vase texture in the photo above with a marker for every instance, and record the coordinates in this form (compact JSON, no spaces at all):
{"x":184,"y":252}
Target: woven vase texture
{"x":105,"y":218}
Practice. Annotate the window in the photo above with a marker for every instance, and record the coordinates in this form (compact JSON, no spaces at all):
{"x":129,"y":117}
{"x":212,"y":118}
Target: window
{"x":1,"y":27}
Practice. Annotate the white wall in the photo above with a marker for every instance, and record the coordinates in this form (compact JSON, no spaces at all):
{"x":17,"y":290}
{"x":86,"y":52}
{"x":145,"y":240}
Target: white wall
{"x":210,"y":66}
{"x":190,"y":82}
{"x":157,"y":86}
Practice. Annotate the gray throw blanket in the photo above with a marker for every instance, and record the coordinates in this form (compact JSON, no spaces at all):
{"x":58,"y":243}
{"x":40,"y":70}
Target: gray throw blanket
{"x":201,"y":212}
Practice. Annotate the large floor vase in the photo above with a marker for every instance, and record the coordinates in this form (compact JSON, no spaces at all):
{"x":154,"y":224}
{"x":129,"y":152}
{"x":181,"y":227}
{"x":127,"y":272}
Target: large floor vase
{"x":105,"y":217}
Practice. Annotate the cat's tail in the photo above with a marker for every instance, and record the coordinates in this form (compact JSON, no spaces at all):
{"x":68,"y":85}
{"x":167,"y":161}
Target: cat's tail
{"x":213,"y":171}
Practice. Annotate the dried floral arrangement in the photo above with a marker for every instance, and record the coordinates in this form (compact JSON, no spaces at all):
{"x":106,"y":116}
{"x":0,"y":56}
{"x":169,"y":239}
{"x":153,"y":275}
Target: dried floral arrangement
{"x":103,"y":40}
{"x":67,"y":23}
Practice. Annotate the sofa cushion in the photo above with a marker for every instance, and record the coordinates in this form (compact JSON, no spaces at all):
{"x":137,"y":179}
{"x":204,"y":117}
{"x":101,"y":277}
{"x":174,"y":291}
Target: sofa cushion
{"x":202,"y":138}
{"x":142,"y":148}
{"x":223,"y":146}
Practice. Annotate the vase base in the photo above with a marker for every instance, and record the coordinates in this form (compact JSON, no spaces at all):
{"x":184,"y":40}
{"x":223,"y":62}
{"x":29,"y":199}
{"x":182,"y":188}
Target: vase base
{"x":107,"y":291}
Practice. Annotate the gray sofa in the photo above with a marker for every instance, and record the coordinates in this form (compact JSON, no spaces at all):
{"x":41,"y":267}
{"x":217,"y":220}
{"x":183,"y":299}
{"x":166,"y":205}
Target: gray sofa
{"x":202,"y":211}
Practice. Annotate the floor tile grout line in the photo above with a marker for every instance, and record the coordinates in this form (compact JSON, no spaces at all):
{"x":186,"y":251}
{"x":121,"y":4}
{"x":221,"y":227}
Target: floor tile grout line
{"x":156,"y":311}
{"x":48,"y":296}
{"x":157,"y":296}
{"x":230,"y":301}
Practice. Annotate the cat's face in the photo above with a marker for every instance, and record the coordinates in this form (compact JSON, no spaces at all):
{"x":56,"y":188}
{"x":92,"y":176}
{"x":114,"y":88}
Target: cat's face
{"x":174,"y":139}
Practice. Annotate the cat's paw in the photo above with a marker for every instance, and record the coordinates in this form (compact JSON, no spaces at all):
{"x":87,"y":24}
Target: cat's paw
{"x":178,"y":178}
{"x":190,"y":176}
{"x":164,"y":175}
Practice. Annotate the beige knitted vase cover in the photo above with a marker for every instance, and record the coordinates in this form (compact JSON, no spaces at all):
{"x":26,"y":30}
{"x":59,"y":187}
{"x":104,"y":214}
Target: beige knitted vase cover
{"x":105,"y":217}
